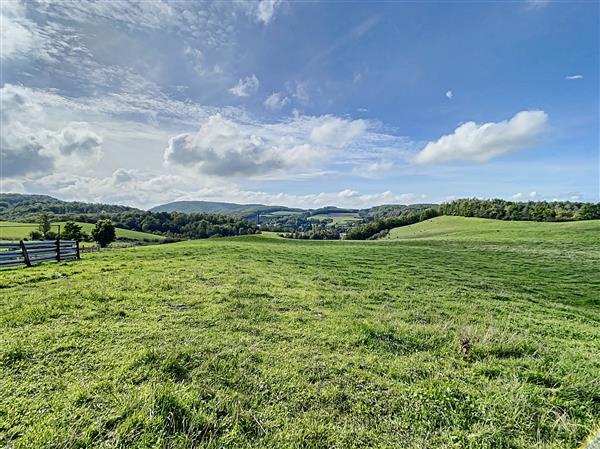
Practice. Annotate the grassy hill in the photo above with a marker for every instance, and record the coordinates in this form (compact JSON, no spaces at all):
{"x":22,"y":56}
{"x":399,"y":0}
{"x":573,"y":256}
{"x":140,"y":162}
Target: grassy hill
{"x":482,"y":229}
{"x":17,"y":233}
{"x":261,"y":342}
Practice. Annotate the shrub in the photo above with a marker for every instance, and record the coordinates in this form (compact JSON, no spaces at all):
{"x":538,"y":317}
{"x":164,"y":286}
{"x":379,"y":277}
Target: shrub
{"x":50,"y":235}
{"x":35,"y":235}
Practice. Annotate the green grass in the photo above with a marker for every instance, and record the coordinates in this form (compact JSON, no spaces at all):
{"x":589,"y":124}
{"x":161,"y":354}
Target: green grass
{"x":17,"y":233}
{"x":483,"y":229}
{"x":282,"y":213}
{"x":260,"y":342}
{"x":338,"y":217}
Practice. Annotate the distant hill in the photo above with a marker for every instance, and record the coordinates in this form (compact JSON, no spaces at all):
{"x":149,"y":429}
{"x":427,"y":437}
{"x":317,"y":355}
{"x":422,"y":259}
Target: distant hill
{"x":251,"y":210}
{"x":28,"y":208}
{"x":240,"y":210}
{"x":24,"y":207}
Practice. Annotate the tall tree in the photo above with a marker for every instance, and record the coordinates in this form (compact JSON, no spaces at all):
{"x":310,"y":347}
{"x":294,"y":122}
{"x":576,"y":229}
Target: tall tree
{"x":44,"y":225}
{"x":72,"y":231}
{"x":104,"y":233}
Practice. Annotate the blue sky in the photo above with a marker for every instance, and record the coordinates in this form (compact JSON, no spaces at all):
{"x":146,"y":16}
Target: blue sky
{"x":300,"y":103}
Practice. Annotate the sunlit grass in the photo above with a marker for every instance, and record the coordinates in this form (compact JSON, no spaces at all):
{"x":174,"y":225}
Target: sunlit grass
{"x":265,"y":342}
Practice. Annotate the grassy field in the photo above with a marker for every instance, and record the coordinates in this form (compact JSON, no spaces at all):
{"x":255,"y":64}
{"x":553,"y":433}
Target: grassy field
{"x":8,"y":233}
{"x":338,"y":217}
{"x":281,"y":213}
{"x":260,"y":342}
{"x":482,"y":229}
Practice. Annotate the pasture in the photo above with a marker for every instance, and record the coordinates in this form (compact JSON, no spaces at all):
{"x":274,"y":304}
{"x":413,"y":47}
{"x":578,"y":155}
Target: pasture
{"x":337,"y":217}
{"x":18,"y":233}
{"x":262,"y":342}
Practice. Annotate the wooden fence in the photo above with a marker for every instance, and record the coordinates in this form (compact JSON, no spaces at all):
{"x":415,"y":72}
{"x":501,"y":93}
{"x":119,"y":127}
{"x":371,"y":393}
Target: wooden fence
{"x":29,"y":253}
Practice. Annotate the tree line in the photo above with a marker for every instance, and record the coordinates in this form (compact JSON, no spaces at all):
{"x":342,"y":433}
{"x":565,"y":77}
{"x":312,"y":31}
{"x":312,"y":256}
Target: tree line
{"x":378,"y":227}
{"x":524,"y":211}
{"x":496,"y":209}
{"x":174,"y":224}
{"x":316,"y":233}
{"x":17,"y":207}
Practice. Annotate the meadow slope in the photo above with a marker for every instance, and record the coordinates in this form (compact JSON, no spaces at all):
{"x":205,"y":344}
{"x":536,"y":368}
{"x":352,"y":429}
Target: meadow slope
{"x":7,"y":232}
{"x":256,"y":341}
{"x":483,"y":229}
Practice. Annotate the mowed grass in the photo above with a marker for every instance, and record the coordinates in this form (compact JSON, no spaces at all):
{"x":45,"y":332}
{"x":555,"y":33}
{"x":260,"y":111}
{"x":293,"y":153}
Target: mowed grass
{"x":7,"y":232}
{"x":259,"y":342}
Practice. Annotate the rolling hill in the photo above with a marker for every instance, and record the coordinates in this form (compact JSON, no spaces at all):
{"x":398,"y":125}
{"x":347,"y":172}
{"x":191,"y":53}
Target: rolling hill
{"x":18,"y":232}
{"x":483,"y":229}
{"x":262,"y":342}
{"x":250,"y":211}
{"x":25,"y":207}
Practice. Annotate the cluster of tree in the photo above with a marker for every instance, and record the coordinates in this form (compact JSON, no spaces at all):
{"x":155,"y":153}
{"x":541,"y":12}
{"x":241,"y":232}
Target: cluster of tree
{"x":44,"y":230}
{"x":392,"y":210}
{"x":175,"y":224}
{"x":381,"y":226}
{"x":317,"y":233}
{"x":286,"y":223}
{"x":528,"y":211}
{"x":103,"y":232}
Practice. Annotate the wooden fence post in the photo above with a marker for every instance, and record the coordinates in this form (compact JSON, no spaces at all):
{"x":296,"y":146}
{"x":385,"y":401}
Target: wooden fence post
{"x":25,"y":254}
{"x":58,"y":249}
{"x":77,"y":246}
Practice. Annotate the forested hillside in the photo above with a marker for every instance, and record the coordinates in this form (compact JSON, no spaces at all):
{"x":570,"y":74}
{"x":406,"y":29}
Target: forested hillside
{"x":28,"y":208}
{"x":248,"y":211}
{"x":21,"y":207}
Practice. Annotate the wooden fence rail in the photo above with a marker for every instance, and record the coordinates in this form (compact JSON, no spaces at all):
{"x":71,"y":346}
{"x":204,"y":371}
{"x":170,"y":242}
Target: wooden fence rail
{"x":29,"y":253}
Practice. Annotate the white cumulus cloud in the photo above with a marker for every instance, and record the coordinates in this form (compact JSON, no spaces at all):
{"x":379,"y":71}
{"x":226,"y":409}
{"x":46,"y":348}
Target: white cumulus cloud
{"x":276,"y":101}
{"x":481,"y":142}
{"x":222,"y":147}
{"x":338,"y":132}
{"x":245,"y":86}
{"x":450,"y":95}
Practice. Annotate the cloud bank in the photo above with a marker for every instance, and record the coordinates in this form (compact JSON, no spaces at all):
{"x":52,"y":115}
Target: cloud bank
{"x":482,"y":142}
{"x":26,"y":146}
{"x":224,"y":147}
